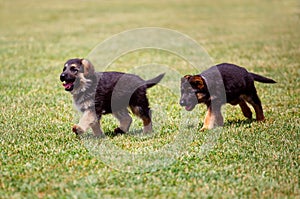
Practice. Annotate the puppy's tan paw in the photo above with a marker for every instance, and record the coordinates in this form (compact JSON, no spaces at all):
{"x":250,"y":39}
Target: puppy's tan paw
{"x":204,"y":128}
{"x":77,"y":129}
{"x":148,"y":128}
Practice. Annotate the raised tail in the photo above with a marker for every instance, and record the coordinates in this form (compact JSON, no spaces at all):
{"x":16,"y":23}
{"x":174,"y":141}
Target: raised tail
{"x":262,"y":79}
{"x":154,"y":81}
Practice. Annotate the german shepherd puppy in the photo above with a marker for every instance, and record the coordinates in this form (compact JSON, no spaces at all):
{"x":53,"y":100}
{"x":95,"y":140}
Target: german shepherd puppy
{"x":99,"y":93}
{"x":208,"y":88}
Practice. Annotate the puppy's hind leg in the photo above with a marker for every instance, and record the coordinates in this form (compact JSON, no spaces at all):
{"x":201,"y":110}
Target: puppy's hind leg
{"x":144,"y":114}
{"x":147,"y":122}
{"x":256,"y":103}
{"x":125,"y":121}
{"x":245,"y":109}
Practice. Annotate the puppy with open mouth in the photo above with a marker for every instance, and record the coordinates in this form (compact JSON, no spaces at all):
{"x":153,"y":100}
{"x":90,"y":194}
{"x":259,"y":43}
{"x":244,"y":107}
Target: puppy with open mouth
{"x":99,"y":93}
{"x":220,"y":84}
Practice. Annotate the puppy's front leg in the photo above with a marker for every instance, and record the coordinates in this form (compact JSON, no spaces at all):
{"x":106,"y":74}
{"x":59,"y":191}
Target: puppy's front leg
{"x":213,"y":118}
{"x":97,"y":129}
{"x":88,"y":119}
{"x":207,"y":120}
{"x":125,"y":121}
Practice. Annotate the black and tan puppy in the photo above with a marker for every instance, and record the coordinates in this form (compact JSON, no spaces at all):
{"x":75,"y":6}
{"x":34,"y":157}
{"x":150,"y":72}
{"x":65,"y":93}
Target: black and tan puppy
{"x":99,"y":93}
{"x":220,"y":84}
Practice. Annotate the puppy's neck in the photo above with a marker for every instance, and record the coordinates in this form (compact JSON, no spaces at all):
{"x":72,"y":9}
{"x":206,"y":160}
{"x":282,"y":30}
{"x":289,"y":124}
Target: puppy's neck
{"x":84,"y":85}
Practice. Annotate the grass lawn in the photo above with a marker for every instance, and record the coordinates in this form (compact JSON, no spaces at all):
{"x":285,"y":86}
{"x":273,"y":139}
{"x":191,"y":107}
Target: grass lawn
{"x":42,"y":158}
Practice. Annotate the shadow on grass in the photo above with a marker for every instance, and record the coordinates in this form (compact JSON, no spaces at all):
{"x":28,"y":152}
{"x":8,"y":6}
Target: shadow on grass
{"x":239,"y":122}
{"x":139,"y":133}
{"x":112,"y":134}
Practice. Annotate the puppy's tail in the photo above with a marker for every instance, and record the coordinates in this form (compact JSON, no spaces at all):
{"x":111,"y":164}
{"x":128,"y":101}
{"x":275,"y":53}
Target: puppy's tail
{"x":262,"y":79}
{"x":154,"y":81}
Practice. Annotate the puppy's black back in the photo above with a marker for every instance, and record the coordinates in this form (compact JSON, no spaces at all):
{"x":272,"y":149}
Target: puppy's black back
{"x":236,"y":80}
{"x":116,"y":91}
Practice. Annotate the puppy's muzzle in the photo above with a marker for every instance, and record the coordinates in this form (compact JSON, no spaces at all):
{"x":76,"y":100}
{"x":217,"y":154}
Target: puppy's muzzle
{"x":63,"y":77}
{"x":189,"y":103}
{"x":69,"y":82}
{"x":182,"y":102}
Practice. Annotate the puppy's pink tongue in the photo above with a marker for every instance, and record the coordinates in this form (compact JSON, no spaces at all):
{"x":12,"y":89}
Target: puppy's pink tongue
{"x":67,"y":85}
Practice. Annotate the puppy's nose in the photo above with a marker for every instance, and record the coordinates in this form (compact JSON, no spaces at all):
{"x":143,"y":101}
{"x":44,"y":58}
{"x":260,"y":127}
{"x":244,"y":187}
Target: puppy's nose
{"x":182,"y":103}
{"x":62,"y":77}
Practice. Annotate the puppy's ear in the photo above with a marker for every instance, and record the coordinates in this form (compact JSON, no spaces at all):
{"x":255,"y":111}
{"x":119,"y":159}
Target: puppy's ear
{"x":186,"y":78}
{"x":88,"y":68}
{"x":197,"y":81}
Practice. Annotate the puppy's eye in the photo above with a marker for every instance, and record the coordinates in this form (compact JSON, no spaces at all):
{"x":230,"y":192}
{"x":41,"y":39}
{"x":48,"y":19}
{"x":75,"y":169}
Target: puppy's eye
{"x":64,"y":68}
{"x":74,"y":69}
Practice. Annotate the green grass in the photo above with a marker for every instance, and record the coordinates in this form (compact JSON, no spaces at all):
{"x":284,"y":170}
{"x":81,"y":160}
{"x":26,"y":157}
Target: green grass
{"x":41,"y":157}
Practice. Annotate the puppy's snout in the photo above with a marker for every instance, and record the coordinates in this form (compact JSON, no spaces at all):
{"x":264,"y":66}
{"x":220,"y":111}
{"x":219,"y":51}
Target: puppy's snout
{"x":182,"y":102}
{"x":63,"y":77}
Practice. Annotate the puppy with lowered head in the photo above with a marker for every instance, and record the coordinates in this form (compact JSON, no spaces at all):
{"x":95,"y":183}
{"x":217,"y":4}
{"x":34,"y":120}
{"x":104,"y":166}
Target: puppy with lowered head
{"x":99,"y":93}
{"x":220,"y":84}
